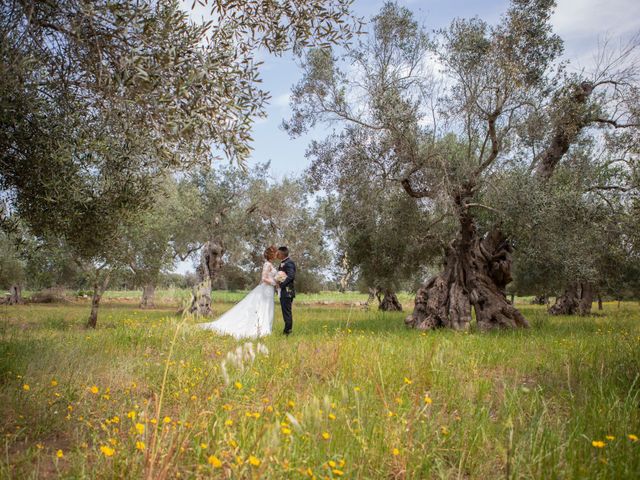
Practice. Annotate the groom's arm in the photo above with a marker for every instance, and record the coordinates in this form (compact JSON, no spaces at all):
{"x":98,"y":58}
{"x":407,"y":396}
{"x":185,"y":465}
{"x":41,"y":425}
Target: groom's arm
{"x":290,"y":270}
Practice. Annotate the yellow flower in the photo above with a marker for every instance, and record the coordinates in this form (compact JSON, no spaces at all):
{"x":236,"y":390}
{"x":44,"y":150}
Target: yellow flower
{"x":331,"y":464}
{"x":254,"y":461}
{"x":59,"y":454}
{"x":332,"y":416}
{"x":226,"y":407}
{"x":228,"y":423}
{"x":326,"y":435}
{"x":598,"y":443}
{"x":428,"y":400}
{"x":153,"y":421}
{"x":139,"y":428}
{"x":444,"y":430}
{"x":337,"y":473}
{"x":40,"y":446}
{"x":54,"y":383}
{"x":203,"y":446}
{"x":291,"y":404}
{"x":166,"y":419}
{"x":94,"y":390}
{"x":26,"y":387}
{"x":113,"y":441}
{"x":356,"y":389}
{"x":107,"y":451}
{"x":395,"y":452}
{"x":131,"y":415}
{"x":309,"y":472}
{"x":342,"y":462}
{"x":233,"y":443}
{"x":238,"y":385}
{"x":214,"y":461}
{"x":632,"y":437}
{"x":116,"y":419}
{"x":194,"y":398}
{"x":408,"y":381}
{"x":140,"y":445}
{"x":610,"y":437}
{"x":286,"y":431}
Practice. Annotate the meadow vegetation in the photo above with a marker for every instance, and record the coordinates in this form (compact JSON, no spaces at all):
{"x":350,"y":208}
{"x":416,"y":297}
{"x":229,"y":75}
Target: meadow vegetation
{"x":352,"y":394}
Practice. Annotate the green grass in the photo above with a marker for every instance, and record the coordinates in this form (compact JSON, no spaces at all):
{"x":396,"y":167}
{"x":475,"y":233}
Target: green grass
{"x":523,"y":404}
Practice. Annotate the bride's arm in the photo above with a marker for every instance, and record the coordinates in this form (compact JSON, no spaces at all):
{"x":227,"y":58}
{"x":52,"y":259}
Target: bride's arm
{"x":266,"y":274}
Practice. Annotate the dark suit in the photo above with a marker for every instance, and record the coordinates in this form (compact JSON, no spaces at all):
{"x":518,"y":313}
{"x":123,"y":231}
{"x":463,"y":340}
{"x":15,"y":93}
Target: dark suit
{"x":287,"y":292}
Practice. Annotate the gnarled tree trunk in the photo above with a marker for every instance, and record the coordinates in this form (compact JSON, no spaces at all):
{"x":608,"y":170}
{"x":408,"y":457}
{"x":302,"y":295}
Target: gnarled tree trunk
{"x":98,"y":290}
{"x":476,"y":271}
{"x":207,"y":271}
{"x":540,"y":300}
{"x":576,"y":299}
{"x":15,"y":295}
{"x":148,"y":296}
{"x":390,"y":302}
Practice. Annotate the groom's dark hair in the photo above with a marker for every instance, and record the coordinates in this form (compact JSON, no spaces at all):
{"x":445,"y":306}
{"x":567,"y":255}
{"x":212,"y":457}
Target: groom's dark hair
{"x":285,"y":251}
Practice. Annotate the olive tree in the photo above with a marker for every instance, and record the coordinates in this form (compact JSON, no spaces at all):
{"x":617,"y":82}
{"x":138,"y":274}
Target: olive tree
{"x":499,"y":98}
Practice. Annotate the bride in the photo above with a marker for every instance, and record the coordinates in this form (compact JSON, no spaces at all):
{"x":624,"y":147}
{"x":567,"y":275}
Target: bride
{"x":252,"y":317}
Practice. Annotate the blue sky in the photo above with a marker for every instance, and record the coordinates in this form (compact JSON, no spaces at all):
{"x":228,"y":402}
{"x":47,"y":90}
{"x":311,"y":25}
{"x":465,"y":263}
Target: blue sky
{"x":581,"y":23}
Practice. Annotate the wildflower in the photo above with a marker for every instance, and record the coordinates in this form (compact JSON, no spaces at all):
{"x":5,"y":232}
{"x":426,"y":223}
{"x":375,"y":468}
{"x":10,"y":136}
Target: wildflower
{"x":54,"y":383}
{"x":238,"y":385}
{"x":94,"y":390}
{"x":632,"y":437}
{"x":107,"y":451}
{"x":166,"y":419}
{"x":395,"y":452}
{"x":26,"y":387}
{"x":598,"y":444}
{"x":113,"y":441}
{"x":444,"y":430}
{"x":59,"y":454}
{"x":356,"y":389}
{"x":408,"y":381}
{"x":153,"y":421}
{"x":254,"y":461}
{"x":228,"y":423}
{"x":331,"y":416}
{"x":326,"y":435}
{"x":428,"y":400}
{"x":140,"y":445}
{"x":139,"y":428}
{"x":116,"y":419}
{"x":233,"y":443}
{"x":291,"y":404}
{"x":610,"y":437}
{"x":214,"y":461}
{"x":193,"y":398}
{"x":331,"y":464}
{"x":309,"y":472}
{"x":285,"y":431}
{"x":39,"y":446}
{"x":337,"y":473}
{"x":131,"y":415}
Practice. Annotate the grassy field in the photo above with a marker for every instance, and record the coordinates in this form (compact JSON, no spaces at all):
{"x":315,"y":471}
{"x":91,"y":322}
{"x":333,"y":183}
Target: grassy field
{"x":351,"y":394}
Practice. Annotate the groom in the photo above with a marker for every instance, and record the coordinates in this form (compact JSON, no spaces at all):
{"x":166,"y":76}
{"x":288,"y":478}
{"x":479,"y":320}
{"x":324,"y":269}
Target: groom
{"x":287,"y":287}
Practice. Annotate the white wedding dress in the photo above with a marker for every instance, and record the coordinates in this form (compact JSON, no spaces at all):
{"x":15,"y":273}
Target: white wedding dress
{"x":252,"y":317}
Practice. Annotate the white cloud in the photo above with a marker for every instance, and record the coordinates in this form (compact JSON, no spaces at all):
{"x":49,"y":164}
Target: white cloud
{"x":582,"y":24}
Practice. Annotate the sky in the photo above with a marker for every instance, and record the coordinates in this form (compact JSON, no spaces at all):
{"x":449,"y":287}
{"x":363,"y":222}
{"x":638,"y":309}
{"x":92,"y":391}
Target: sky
{"x":582,"y":24}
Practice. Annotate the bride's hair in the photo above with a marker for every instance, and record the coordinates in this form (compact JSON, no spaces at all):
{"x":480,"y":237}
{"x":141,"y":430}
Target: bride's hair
{"x":270,"y":252}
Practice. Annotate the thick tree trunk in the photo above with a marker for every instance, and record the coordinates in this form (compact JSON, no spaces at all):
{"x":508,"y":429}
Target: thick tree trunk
{"x":99,"y":288}
{"x":586,"y":299}
{"x":476,"y":271}
{"x":390,"y":302}
{"x":15,"y":295}
{"x":148,"y":296}
{"x":373,"y":294}
{"x":208,"y":271}
{"x":567,"y":303}
{"x":576,"y":299}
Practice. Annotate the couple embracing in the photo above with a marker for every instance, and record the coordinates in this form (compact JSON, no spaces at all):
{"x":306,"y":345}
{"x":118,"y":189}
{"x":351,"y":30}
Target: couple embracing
{"x":252,"y":317}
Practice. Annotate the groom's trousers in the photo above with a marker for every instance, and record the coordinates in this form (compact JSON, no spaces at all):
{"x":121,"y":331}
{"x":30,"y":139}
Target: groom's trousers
{"x":285,"y":303}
